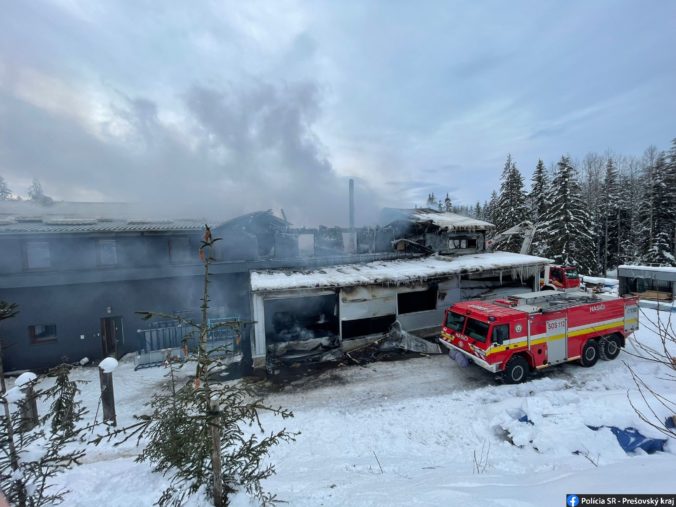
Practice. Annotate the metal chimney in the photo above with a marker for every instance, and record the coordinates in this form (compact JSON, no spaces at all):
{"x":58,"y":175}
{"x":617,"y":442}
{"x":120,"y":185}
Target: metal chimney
{"x":351,"y":205}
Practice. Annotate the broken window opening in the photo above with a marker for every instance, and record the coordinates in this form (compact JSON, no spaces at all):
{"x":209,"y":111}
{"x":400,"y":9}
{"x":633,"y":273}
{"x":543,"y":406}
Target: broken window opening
{"x":301,"y":318}
{"x":419,"y":301}
{"x":364,"y":327}
{"x":462,"y":243}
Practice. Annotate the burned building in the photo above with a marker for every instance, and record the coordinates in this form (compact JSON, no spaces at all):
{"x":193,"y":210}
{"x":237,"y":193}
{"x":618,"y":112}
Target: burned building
{"x":319,"y":314}
{"x":79,"y":281}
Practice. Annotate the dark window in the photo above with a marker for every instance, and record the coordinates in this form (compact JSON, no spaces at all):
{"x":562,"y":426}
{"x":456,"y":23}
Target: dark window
{"x":365,"y":327}
{"x":455,"y":321}
{"x":500,"y":333}
{"x":477,"y":330}
{"x":41,"y":333}
{"x":462,"y":243}
{"x":420,"y":301}
{"x":555,"y":274}
{"x":37,"y":255}
{"x":107,"y":249}
{"x":179,"y":250}
{"x":302,"y":318}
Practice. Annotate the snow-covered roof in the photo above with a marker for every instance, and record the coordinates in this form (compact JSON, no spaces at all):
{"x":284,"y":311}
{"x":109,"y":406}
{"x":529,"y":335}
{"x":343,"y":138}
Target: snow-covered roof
{"x":35,"y":225}
{"x":451,"y":221}
{"x":667,"y":273}
{"x":392,"y":272}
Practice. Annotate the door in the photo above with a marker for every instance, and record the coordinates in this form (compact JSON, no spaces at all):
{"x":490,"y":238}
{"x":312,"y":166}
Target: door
{"x":111,"y":334}
{"x":557,"y":340}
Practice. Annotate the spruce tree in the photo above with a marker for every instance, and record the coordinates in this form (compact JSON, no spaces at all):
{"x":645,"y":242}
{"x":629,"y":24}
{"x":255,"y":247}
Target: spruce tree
{"x":539,"y":193}
{"x":610,"y":210}
{"x":658,"y":211}
{"x":629,"y":223}
{"x":511,"y":208}
{"x":478,"y":212}
{"x":491,"y":205}
{"x":200,"y":434}
{"x":566,"y":229}
{"x":448,"y":205}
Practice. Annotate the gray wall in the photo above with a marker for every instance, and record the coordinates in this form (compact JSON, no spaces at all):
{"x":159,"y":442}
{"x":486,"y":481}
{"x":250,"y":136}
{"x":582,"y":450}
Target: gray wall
{"x":77,"y":309}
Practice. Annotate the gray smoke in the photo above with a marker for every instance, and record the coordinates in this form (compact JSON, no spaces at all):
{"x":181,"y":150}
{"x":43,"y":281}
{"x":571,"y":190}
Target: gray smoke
{"x":234,"y":150}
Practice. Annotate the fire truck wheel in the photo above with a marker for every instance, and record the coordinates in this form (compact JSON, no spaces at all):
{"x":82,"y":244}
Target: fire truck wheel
{"x":590,"y":354}
{"x":516,"y":370}
{"x":610,"y":348}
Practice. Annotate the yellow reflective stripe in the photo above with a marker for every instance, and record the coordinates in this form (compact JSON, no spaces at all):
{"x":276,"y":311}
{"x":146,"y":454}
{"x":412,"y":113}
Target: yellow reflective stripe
{"x":592,"y":329}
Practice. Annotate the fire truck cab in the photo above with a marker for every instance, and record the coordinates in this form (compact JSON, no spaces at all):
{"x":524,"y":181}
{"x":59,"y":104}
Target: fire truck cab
{"x":526,"y":332}
{"x":560,"y":278}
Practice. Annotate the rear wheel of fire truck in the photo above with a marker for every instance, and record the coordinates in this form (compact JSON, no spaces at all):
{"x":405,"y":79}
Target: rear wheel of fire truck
{"x":609,"y":347}
{"x":516,"y":370}
{"x":590,"y":354}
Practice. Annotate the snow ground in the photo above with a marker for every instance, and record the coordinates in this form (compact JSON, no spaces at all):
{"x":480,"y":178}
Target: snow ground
{"x":422,"y":420}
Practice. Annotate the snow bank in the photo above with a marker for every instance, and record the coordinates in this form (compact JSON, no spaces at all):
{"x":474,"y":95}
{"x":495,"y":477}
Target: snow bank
{"x":25,"y":378}
{"x":424,"y":420}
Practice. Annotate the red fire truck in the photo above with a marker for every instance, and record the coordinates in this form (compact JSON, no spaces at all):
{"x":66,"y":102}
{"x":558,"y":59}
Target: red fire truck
{"x":560,"y":278}
{"x":514,"y":336}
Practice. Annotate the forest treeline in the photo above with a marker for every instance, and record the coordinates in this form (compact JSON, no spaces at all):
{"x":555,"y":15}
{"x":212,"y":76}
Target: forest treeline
{"x":596,"y":213}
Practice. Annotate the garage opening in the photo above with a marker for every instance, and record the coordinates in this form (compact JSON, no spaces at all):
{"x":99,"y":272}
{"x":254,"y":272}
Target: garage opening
{"x":301,"y":318}
{"x":418,"y":301}
{"x":364,"y":327}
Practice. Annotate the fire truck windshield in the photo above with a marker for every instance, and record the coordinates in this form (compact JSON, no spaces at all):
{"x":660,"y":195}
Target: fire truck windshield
{"x":455,"y":321}
{"x":477,"y":330}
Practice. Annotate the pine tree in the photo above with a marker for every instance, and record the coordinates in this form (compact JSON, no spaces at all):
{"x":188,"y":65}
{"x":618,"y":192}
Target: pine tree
{"x":31,"y":459}
{"x":610,"y":213}
{"x":660,"y":252}
{"x":539,"y":193}
{"x":5,"y":192}
{"x":511,"y":206}
{"x":478,"y":212}
{"x":491,"y":205}
{"x":629,"y":222}
{"x":658,"y":221}
{"x":448,"y":205}
{"x":197,"y":433}
{"x":566,"y":229}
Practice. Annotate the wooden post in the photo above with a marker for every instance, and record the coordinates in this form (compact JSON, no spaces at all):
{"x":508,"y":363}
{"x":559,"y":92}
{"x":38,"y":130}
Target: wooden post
{"x":29,"y":408}
{"x":215,"y":422}
{"x":107,"y":397}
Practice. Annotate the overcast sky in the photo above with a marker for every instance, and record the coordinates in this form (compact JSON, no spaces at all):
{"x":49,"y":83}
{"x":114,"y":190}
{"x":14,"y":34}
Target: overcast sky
{"x":207,"y":108}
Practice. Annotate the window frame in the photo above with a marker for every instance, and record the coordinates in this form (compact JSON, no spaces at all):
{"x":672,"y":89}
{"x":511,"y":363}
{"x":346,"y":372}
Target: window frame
{"x":34,"y":337}
{"x":99,"y":257}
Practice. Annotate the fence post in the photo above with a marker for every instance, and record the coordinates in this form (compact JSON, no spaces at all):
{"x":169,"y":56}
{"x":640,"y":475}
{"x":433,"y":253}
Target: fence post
{"x":29,"y":408}
{"x":107,"y":394}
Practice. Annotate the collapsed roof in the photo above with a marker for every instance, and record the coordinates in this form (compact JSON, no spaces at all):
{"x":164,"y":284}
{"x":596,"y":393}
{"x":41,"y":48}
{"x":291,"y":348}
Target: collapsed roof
{"x":444,"y":220}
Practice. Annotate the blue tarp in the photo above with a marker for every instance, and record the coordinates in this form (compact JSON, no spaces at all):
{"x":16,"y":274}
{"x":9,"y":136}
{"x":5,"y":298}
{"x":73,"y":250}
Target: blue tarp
{"x":630,"y":439}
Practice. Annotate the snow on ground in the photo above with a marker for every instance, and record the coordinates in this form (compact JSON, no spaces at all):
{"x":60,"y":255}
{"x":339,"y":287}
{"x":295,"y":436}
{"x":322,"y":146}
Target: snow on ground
{"x":423,"y":421}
